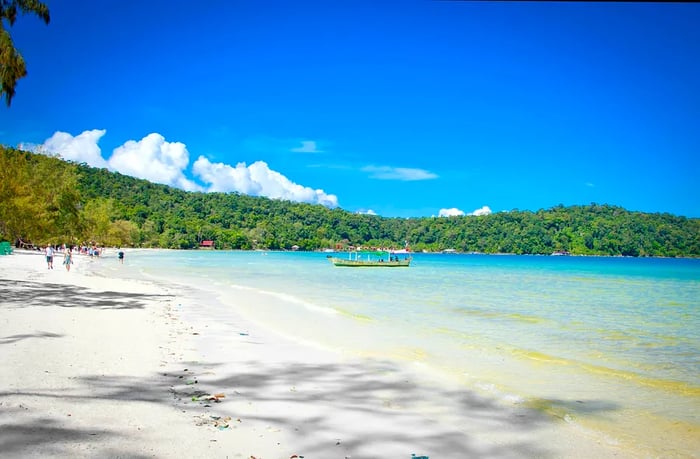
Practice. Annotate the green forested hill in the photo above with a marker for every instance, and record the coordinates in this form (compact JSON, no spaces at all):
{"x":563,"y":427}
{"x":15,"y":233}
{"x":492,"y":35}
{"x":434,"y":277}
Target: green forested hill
{"x":44,"y":199}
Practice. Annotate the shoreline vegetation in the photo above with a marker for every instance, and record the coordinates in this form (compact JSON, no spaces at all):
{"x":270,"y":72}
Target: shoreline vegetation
{"x":101,"y":362}
{"x":45,"y":200}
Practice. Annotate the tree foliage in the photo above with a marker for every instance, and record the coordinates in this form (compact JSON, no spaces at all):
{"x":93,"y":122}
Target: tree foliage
{"x":12,"y":66}
{"x":46,"y":199}
{"x":39,"y":199}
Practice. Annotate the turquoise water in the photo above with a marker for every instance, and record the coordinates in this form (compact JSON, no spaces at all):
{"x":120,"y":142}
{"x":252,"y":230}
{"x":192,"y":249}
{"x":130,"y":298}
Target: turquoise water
{"x":562,"y":333}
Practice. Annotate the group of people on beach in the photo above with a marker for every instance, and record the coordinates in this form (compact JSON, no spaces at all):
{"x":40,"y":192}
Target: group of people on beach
{"x":50,"y":252}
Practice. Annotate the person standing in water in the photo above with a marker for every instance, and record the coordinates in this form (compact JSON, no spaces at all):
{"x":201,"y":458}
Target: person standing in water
{"x":67,"y":258}
{"x":121,"y":256}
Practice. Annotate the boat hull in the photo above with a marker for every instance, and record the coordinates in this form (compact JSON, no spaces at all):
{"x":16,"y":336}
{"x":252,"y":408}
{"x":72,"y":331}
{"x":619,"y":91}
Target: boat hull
{"x":369,"y":264}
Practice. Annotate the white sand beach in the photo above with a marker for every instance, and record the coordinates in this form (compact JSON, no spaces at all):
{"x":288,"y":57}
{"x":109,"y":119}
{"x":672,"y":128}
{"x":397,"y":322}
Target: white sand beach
{"x":96,"y":366}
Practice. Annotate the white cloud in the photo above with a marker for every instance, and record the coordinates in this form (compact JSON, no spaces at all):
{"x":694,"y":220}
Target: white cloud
{"x":257,"y":180}
{"x":398,"y":173}
{"x":81,"y":148}
{"x":452,"y":212}
{"x":483,"y":211}
{"x":366,"y":212}
{"x":154,"y":159}
{"x":307,"y":146}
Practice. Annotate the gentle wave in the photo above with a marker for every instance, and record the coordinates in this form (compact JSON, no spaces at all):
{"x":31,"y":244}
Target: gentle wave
{"x":287,"y":298}
{"x":670,"y":386}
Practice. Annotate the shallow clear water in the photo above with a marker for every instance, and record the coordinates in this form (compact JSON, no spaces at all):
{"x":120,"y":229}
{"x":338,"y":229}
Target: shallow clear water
{"x":577,"y":336}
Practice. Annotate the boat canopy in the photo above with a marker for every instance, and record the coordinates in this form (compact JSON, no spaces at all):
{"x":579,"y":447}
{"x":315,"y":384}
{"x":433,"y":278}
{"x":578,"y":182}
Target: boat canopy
{"x":378,"y":253}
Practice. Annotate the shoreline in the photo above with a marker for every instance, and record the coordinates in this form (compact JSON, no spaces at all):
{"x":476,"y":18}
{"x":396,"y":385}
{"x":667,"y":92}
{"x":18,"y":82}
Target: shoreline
{"x":170,"y":369}
{"x":497,"y":254}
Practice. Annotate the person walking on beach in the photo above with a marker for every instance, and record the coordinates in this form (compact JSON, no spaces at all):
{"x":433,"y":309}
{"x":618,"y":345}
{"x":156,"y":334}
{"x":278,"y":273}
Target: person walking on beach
{"x":49,"y":256}
{"x":68,"y":258}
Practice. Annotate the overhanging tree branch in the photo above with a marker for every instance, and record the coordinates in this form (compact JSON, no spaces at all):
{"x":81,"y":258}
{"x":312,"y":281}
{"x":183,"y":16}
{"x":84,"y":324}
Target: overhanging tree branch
{"x":12,"y":66}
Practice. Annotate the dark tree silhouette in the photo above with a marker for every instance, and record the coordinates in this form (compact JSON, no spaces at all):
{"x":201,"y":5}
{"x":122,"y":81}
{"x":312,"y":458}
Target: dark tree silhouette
{"x":12,"y":66}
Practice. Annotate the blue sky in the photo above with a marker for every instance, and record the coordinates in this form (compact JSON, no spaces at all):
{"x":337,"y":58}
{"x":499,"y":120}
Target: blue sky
{"x":400,"y":108}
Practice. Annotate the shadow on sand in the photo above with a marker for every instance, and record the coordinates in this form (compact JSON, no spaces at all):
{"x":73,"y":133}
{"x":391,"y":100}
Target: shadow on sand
{"x":28,"y":294}
{"x":316,"y":397}
{"x":15,"y":338}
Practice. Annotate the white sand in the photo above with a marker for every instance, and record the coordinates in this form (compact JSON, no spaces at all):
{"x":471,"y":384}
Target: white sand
{"x":94,"y":366}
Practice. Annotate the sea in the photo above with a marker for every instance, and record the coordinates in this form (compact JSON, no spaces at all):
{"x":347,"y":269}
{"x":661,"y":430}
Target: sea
{"x":610,"y":343}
